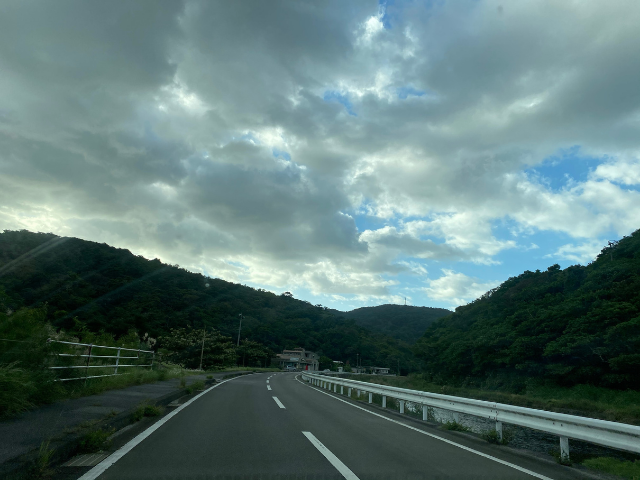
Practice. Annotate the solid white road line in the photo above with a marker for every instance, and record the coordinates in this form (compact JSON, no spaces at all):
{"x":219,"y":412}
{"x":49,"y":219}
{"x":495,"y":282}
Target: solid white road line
{"x":267,"y":381}
{"x":335,"y":461}
{"x":508,"y":464}
{"x":99,"y":469}
{"x":268,"y":387}
{"x":278,"y":402}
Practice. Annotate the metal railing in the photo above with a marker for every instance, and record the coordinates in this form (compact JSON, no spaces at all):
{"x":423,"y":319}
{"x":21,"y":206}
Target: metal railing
{"x":601,"y":432}
{"x":77,"y":360}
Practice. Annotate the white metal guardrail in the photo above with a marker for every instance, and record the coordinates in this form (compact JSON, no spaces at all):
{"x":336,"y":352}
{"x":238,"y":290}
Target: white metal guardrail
{"x":609,"y":434}
{"x":148,"y":355}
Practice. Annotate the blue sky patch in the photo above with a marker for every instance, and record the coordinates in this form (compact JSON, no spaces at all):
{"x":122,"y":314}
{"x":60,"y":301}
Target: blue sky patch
{"x":404,"y":92}
{"x":334,"y":96}
{"x":557,"y":171}
{"x":281,"y":154}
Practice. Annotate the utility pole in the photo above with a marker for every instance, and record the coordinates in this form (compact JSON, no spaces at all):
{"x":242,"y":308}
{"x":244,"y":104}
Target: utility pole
{"x":202,"y":349}
{"x":239,"y":330}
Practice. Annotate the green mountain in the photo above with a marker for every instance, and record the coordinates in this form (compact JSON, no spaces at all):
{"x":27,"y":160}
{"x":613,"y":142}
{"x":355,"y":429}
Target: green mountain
{"x":105,"y":288}
{"x":580,"y":325}
{"x":404,"y":322}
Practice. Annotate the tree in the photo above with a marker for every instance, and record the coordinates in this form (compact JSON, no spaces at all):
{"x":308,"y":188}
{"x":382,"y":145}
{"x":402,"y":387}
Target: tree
{"x":184,"y":346}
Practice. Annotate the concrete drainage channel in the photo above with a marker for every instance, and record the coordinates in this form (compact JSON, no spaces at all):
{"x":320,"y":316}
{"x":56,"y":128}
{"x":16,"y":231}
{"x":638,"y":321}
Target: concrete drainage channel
{"x":63,"y":452}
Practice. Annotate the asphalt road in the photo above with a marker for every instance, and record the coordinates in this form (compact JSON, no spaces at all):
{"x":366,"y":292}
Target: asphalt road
{"x":238,"y":430}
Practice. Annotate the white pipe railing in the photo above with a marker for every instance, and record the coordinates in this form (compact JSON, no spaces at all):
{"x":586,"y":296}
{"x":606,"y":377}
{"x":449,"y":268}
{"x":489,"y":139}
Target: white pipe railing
{"x":90,"y":356}
{"x":616,"y":435}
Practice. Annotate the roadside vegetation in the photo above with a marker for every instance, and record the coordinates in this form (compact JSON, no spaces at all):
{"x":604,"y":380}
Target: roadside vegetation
{"x":596,"y":402}
{"x":566,"y":328}
{"x":614,"y":466}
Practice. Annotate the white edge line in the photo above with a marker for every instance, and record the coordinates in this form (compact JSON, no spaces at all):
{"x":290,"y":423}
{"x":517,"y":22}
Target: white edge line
{"x":335,"y":461}
{"x":99,"y":469}
{"x":277,"y":401}
{"x":508,"y":464}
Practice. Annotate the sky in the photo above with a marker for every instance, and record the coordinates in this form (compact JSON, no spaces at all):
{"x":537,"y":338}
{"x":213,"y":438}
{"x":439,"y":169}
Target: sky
{"x":353,"y":153}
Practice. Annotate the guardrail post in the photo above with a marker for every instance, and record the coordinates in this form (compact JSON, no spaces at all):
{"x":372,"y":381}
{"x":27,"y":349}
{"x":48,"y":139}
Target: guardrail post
{"x":499,"y":430}
{"x":370,"y":397}
{"x":117,"y":361}
{"x":564,"y":449}
{"x":358,"y":392}
{"x":153,"y":357}
{"x":401,"y":406}
{"x":349,"y":392}
{"x":384,"y":401}
{"x":425,"y":412}
{"x":341,"y":389}
{"x":335,"y":388}
{"x":456,"y":417}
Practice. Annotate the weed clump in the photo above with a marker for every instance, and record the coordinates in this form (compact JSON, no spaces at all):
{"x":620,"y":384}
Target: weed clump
{"x":492,"y":437}
{"x":95,"y":441}
{"x":195,"y":387}
{"x":145,"y":410}
{"x":455,"y":427}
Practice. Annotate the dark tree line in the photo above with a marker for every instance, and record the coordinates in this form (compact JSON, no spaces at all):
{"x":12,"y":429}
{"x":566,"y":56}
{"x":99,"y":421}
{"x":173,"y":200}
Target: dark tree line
{"x":580,"y":325}
{"x":111,"y":290}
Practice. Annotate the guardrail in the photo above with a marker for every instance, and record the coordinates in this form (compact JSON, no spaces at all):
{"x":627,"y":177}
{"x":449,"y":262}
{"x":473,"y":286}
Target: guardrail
{"x":147,"y":356}
{"x":601,"y":432}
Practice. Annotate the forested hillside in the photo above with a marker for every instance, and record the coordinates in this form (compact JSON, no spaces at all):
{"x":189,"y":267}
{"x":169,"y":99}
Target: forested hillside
{"x":110,"y":289}
{"x":580,"y":325}
{"x":404,"y":322}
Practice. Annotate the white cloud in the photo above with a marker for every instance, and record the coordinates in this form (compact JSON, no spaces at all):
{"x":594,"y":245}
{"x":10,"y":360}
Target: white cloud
{"x":457,"y":288}
{"x":580,"y":253}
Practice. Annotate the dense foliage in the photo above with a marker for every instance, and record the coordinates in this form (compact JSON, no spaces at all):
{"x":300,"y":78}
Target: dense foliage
{"x":580,"y":325}
{"x":111,"y":290}
{"x":404,"y":322}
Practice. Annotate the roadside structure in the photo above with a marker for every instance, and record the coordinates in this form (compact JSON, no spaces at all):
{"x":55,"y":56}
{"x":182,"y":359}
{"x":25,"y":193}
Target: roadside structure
{"x":298,"y":358}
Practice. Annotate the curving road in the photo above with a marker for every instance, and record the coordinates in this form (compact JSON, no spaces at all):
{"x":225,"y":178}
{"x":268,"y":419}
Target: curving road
{"x":272,"y":426}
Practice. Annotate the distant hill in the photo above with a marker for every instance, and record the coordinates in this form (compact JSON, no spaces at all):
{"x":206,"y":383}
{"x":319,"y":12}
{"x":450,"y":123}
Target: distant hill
{"x":580,"y":325}
{"x":404,"y":322}
{"x":111,"y":289}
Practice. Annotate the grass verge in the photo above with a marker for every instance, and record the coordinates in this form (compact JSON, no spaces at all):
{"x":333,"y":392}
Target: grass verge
{"x":613,"y":466}
{"x":584,"y":400}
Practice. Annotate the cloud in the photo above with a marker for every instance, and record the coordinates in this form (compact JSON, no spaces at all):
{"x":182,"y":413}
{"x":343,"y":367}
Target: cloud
{"x":457,"y":288}
{"x":580,"y":253}
{"x":218,"y":135}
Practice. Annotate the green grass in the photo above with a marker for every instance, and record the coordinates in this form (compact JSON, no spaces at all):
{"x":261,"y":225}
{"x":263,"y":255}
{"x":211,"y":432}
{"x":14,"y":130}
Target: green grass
{"x":624,"y":469}
{"x":23,"y":389}
{"x":195,"y":387}
{"x":584,"y":400}
{"x":145,"y":410}
{"x":246,"y":369}
{"x":455,"y":427}
{"x":95,"y":441}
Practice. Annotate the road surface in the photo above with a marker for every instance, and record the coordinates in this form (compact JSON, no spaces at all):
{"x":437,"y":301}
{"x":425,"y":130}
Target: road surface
{"x":273,"y":426}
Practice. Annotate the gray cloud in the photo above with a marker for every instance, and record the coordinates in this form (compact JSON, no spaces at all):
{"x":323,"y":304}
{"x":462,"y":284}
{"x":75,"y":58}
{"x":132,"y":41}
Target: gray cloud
{"x":197,"y":131}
